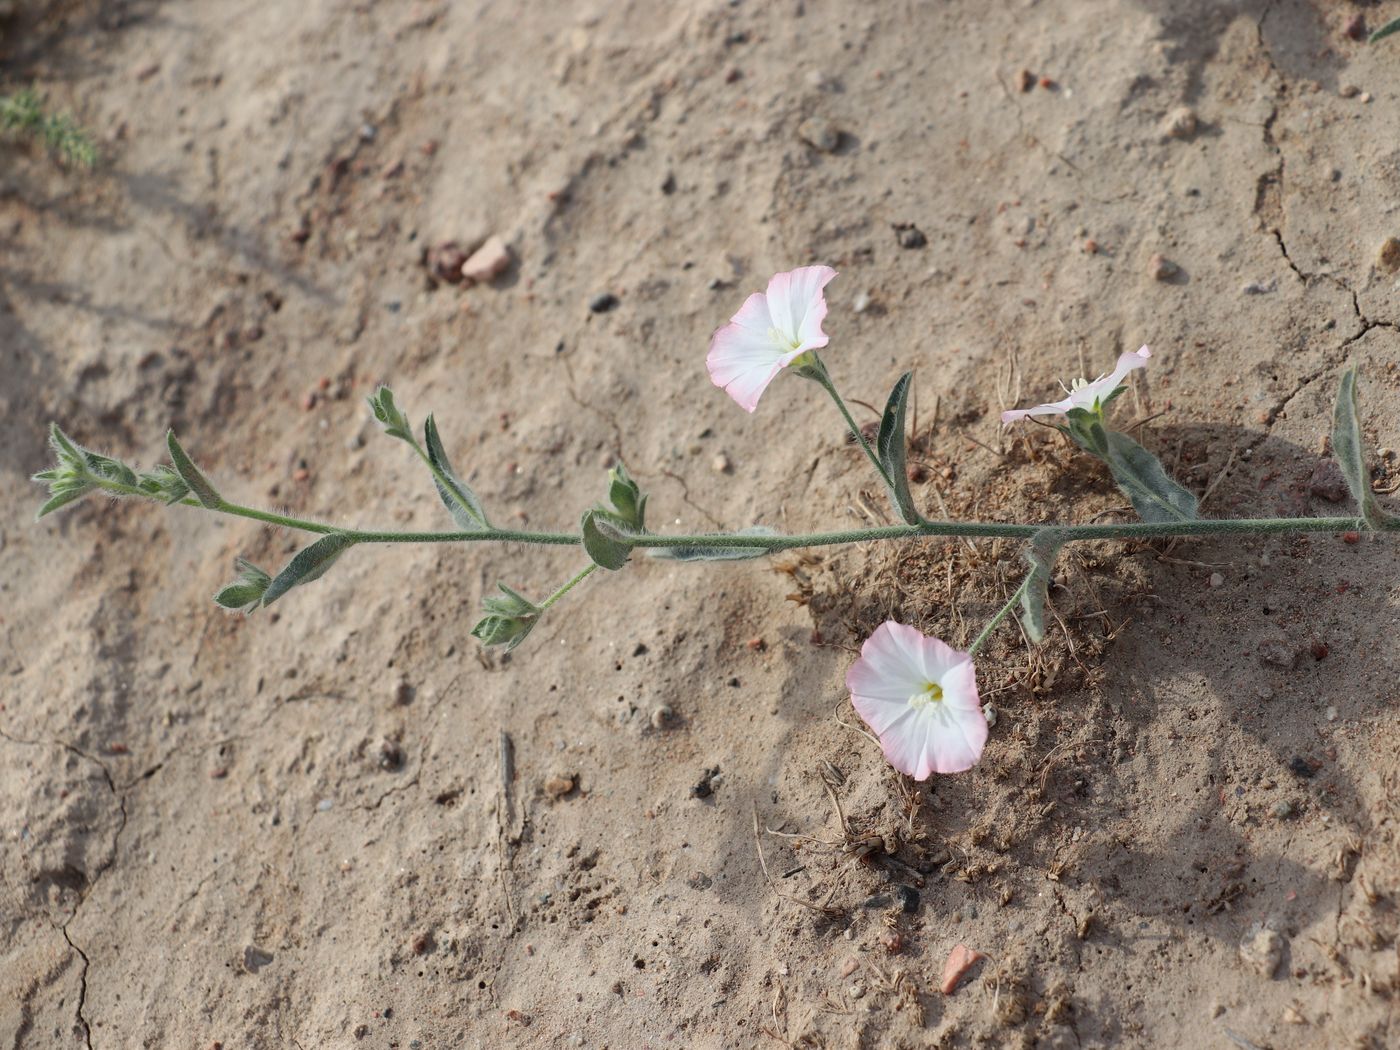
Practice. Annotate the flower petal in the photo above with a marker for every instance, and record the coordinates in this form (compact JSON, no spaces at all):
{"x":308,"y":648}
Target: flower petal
{"x":1054,"y":408}
{"x":891,"y":666}
{"x":797,"y":305}
{"x":754,"y":314}
{"x":954,"y":741}
{"x":743,"y":362}
{"x":1126,"y":364}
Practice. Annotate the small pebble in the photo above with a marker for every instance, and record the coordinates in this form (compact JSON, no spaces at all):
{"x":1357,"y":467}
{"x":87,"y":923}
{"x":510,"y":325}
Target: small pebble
{"x":1328,"y":481}
{"x":1282,"y":809}
{"x":603,"y":302}
{"x":403,"y":693}
{"x":1349,"y":91}
{"x":819,"y":133}
{"x":1216,"y":581}
{"x":324,"y":806}
{"x":1331,"y":713}
{"x":1388,"y":256}
{"x":1160,"y":268}
{"x":1025,"y":81}
{"x":857,"y":990}
{"x":861,"y":303}
{"x":661,"y":716}
{"x":488,"y":262}
{"x":1355,"y":27}
{"x":1260,"y":287}
{"x":909,"y":235}
{"x":960,"y":960}
{"x":721,"y":464}
{"x":558,"y":784}
{"x":849,"y":967}
{"x":989,"y":712}
{"x":1180,"y":123}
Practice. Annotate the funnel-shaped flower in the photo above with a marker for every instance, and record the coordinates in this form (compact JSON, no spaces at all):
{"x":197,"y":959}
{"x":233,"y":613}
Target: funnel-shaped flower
{"x":771,"y":330}
{"x":1090,"y":396}
{"x":919,"y":695}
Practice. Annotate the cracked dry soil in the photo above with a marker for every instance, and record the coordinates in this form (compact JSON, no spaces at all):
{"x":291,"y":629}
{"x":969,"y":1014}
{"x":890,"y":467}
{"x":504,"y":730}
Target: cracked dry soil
{"x":340,"y":825}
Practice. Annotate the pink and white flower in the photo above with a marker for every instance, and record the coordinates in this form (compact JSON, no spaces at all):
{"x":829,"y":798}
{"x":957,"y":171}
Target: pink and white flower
{"x":1085,"y":394}
{"x":771,"y":331}
{"x":919,"y":695}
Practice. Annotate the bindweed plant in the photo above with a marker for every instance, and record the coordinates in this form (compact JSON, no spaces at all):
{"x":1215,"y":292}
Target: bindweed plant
{"x":917,"y":694}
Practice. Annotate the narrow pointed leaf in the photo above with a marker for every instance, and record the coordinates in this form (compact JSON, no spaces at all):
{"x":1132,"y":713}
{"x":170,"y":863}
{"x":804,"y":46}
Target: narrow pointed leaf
{"x":63,"y":446}
{"x":191,"y":475}
{"x":890,"y":449}
{"x":1393,"y":26}
{"x":456,"y":496}
{"x":1044,"y":548}
{"x":62,"y":499}
{"x":604,"y":542}
{"x":309,"y":564}
{"x":1155,"y":496}
{"x":716,"y":553}
{"x":1349,"y":448}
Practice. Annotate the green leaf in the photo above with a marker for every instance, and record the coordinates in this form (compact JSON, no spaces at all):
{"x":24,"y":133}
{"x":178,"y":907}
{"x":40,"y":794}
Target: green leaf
{"x":890,"y":449}
{"x":628,"y":500}
{"x":395,"y":423}
{"x":1155,"y":496}
{"x":109,"y":469}
{"x":1041,"y":553}
{"x":1348,"y":448}
{"x":509,"y":603}
{"x":604,"y":541}
{"x":716,"y":553}
{"x":203,"y":491}
{"x":508,"y":631}
{"x":163,"y":483}
{"x":245,"y":593}
{"x":62,"y":499}
{"x":456,"y":496}
{"x":1384,"y":31}
{"x":310,"y":563}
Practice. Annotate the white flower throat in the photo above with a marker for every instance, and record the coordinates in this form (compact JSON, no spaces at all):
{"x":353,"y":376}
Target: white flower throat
{"x":932,"y":693}
{"x":778,"y":338}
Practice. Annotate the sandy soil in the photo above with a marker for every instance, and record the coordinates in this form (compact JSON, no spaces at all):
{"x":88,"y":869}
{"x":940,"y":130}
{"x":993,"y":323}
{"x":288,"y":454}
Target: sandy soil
{"x":293,"y":830}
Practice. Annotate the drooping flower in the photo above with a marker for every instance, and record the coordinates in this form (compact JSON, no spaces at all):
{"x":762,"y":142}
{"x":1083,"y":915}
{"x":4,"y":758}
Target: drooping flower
{"x":1090,"y":396}
{"x":771,"y":331}
{"x":919,"y":695}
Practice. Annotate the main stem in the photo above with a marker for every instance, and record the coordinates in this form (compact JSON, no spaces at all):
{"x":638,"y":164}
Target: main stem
{"x":991,"y":529}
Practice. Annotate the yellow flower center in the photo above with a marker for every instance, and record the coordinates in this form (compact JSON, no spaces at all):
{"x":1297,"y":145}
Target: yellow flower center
{"x":931,"y":693}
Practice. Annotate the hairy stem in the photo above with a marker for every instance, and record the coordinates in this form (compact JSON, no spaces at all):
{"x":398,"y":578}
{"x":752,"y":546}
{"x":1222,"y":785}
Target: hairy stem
{"x":993,"y":623}
{"x":567,"y":587}
{"x":824,"y":379}
{"x":992,"y":529}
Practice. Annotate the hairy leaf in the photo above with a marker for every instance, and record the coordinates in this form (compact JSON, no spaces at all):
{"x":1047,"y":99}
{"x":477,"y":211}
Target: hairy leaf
{"x":1348,"y":447}
{"x":1155,"y":496}
{"x":456,"y":495}
{"x":310,"y":563}
{"x":890,"y":449}
{"x":203,"y":491}
{"x":246,"y":593}
{"x":604,"y":541}
{"x":1041,"y":553}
